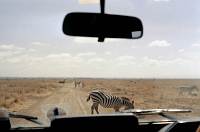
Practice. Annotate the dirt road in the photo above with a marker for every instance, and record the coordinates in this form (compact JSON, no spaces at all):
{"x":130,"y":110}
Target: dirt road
{"x":72,"y":100}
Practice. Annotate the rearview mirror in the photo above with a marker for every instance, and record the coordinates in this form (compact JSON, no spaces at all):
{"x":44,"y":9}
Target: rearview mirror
{"x":102,"y":26}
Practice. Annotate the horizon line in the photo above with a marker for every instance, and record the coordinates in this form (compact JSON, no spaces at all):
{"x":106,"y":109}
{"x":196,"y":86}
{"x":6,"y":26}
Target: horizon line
{"x":125,"y":78}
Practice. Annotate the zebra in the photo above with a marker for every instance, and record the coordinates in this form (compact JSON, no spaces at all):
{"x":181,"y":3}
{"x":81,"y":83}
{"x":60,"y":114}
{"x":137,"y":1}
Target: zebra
{"x":190,"y":90}
{"x":77,"y":84}
{"x":108,"y":101}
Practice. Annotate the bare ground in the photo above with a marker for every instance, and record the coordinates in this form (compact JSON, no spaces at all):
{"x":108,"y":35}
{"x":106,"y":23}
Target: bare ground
{"x":36,"y":97}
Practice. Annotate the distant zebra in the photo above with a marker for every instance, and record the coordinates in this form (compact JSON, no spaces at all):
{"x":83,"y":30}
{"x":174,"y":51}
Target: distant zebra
{"x":190,"y":90}
{"x":77,"y":84}
{"x":108,"y":101}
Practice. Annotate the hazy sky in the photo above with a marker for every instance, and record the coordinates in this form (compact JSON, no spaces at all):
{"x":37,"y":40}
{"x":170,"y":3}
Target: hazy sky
{"x":32,"y":43}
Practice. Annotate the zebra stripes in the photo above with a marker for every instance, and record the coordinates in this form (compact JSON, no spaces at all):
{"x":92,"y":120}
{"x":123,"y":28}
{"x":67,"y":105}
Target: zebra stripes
{"x":108,"y":101}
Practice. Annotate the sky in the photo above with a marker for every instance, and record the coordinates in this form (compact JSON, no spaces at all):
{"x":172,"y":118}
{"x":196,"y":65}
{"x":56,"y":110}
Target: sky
{"x":32,"y":43}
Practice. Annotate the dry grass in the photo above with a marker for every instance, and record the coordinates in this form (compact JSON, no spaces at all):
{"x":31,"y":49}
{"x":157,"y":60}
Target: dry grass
{"x":149,"y":93}
{"x":14,"y":92}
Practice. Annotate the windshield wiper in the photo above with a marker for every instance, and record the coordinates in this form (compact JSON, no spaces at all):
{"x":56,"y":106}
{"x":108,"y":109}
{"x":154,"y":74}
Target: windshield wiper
{"x":26,"y":117}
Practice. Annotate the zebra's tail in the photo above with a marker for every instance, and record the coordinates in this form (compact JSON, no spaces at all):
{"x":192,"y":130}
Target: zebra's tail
{"x":88,"y":98}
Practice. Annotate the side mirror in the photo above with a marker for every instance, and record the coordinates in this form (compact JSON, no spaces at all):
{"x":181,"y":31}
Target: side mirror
{"x":102,"y":26}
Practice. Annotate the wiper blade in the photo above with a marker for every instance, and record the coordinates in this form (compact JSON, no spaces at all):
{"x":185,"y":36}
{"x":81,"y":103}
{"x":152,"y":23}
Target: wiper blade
{"x":157,"y":122}
{"x":155,"y":111}
{"x":15,"y":115}
{"x":26,"y":117}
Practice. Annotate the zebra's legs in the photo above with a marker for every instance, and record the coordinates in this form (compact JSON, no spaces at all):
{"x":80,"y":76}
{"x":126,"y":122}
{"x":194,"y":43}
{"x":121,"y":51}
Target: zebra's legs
{"x":94,"y":106}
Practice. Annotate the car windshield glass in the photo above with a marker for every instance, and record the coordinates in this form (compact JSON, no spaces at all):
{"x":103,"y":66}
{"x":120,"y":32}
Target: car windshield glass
{"x":41,"y":68}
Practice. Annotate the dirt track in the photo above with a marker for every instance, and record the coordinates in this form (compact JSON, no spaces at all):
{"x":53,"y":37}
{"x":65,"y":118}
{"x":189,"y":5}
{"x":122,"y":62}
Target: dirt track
{"x":72,"y":100}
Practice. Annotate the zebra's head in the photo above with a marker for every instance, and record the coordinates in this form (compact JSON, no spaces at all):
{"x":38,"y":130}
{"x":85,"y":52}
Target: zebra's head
{"x":128,"y":104}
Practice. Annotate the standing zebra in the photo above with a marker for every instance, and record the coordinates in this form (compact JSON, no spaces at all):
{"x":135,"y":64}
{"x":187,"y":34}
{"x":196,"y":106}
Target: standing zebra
{"x":108,"y":101}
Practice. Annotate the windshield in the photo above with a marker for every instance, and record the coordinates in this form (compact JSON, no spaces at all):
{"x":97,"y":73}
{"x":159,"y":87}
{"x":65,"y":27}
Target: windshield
{"x":41,"y":68}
